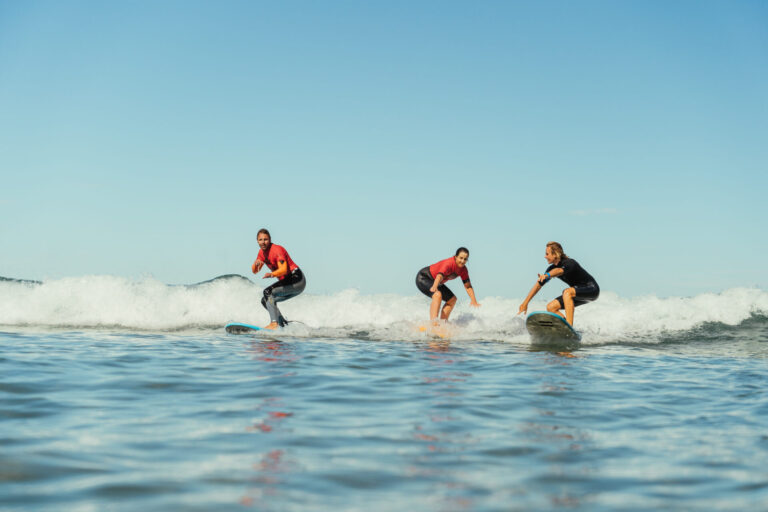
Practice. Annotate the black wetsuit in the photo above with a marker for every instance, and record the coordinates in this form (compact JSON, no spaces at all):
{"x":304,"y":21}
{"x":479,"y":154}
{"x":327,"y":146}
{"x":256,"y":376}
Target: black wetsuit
{"x":575,"y":276}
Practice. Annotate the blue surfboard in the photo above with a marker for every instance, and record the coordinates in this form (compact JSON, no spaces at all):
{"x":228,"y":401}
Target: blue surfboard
{"x":546,"y":327}
{"x":238,"y":328}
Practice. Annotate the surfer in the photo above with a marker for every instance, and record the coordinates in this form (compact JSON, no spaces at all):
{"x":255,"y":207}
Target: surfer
{"x":583,"y":287}
{"x":430,"y":281}
{"x":290,"y":282}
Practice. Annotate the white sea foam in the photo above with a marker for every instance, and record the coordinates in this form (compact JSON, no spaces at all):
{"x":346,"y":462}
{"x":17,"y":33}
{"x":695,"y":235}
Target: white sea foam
{"x":149,"y":305}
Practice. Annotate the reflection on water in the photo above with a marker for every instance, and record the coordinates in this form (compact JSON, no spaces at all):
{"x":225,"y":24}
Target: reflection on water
{"x":441,"y":430}
{"x":90,"y":421}
{"x":272,"y":351}
{"x":272,"y":467}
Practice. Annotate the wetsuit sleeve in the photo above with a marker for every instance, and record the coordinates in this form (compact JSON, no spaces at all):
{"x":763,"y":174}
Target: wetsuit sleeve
{"x":464,"y":274}
{"x":259,"y":259}
{"x":279,"y":256}
{"x":546,"y":279}
{"x":281,"y":270}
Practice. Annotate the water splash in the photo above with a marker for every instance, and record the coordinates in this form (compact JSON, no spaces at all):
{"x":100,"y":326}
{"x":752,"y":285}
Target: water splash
{"x":149,"y":305}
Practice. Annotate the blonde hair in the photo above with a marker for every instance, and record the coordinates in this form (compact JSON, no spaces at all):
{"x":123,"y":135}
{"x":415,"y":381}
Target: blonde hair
{"x":558,"y":250}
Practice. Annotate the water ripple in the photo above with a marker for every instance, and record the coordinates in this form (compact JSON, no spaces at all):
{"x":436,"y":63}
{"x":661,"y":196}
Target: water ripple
{"x":204,"y":422}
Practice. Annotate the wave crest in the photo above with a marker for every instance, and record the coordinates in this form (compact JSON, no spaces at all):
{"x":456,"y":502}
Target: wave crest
{"x":149,"y":305}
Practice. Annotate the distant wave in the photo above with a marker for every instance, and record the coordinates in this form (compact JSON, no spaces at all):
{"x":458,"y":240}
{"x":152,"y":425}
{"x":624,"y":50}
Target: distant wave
{"x":11,"y":280}
{"x":111,"y":302}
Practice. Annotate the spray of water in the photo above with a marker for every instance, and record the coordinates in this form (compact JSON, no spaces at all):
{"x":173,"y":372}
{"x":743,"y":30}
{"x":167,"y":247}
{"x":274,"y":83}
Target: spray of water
{"x":149,"y":305}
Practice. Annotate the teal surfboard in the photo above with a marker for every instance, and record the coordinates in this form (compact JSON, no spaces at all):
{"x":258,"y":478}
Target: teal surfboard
{"x":546,"y":327}
{"x":238,"y":328}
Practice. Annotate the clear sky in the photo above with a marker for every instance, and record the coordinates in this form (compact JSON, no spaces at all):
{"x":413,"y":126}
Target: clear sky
{"x":151,"y":138}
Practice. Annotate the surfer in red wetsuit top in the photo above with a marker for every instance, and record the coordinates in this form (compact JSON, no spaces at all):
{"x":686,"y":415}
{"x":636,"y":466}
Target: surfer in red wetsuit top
{"x":291,"y":281}
{"x":430,"y":281}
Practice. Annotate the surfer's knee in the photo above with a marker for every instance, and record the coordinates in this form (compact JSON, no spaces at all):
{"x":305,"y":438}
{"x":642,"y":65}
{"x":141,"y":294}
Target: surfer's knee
{"x":451,"y":302}
{"x":569,"y":293}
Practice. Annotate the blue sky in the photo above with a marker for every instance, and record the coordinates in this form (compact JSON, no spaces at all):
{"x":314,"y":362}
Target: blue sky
{"x":374,"y":138}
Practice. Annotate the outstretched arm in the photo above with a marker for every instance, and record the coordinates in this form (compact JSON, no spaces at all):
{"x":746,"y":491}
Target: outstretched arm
{"x":471,"y":293}
{"x":555,"y":272}
{"x":543,"y":278}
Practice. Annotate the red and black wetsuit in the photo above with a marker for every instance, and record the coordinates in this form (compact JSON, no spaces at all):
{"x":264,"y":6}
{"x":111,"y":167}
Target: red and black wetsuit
{"x":288,"y":285}
{"x":449,"y":269}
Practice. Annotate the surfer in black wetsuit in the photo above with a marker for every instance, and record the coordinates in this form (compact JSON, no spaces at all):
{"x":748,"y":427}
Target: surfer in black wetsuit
{"x":583,"y":287}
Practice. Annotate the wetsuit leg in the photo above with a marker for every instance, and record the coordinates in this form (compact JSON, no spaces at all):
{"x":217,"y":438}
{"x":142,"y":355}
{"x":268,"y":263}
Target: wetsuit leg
{"x":446,"y":292}
{"x":424,"y":282}
{"x":584,"y":294}
{"x":286,"y":289}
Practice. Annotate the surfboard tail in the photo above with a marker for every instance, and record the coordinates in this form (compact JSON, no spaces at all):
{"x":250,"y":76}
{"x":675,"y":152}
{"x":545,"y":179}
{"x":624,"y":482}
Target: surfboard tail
{"x":546,"y":327}
{"x":239,"y":328}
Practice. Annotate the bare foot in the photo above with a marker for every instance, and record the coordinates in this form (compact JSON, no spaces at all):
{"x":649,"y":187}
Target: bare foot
{"x":271,"y":326}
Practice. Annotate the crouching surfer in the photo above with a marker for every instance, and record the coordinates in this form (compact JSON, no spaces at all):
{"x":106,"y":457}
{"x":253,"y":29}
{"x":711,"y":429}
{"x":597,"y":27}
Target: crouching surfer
{"x":430,"y":281}
{"x":290,"y":282}
{"x":583,"y":287}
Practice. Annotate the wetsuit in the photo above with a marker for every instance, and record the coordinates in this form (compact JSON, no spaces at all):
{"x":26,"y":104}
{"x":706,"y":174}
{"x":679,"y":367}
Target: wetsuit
{"x":426,"y":277}
{"x":288,"y":285}
{"x":579,"y":279}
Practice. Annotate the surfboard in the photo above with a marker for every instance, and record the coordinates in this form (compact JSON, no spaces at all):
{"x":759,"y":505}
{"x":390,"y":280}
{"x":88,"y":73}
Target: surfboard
{"x":546,"y":327}
{"x":238,"y":328}
{"x":437,"y":332}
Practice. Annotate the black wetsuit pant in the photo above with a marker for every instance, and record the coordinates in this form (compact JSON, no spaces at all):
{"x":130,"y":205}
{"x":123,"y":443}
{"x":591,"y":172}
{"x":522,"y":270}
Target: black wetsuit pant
{"x":424,"y":282}
{"x":584,"y":293}
{"x":293,"y":284}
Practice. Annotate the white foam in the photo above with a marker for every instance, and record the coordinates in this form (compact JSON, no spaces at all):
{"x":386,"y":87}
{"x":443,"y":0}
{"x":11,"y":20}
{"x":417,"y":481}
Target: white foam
{"x":149,"y":305}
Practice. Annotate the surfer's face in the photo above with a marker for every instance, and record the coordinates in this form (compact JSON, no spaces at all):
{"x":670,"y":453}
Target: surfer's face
{"x":461,"y":259}
{"x":264,"y":241}
{"x":550,"y":256}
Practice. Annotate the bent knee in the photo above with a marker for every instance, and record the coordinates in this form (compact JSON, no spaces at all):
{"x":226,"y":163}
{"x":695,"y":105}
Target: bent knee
{"x":570,"y":293}
{"x":451,"y":301}
{"x":553,"y":307}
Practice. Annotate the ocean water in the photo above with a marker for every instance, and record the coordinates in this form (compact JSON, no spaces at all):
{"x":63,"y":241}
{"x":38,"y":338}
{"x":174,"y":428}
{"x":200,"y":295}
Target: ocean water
{"x":118,"y":394}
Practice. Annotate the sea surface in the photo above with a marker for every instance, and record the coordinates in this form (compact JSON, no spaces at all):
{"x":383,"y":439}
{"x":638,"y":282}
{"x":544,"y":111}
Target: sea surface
{"x":123,"y":395}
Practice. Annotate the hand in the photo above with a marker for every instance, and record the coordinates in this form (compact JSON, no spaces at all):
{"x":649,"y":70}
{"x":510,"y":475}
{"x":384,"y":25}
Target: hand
{"x":433,"y":289}
{"x":523,"y":309}
{"x":257,"y":266}
{"x":267,"y":275}
{"x":475,"y":304}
